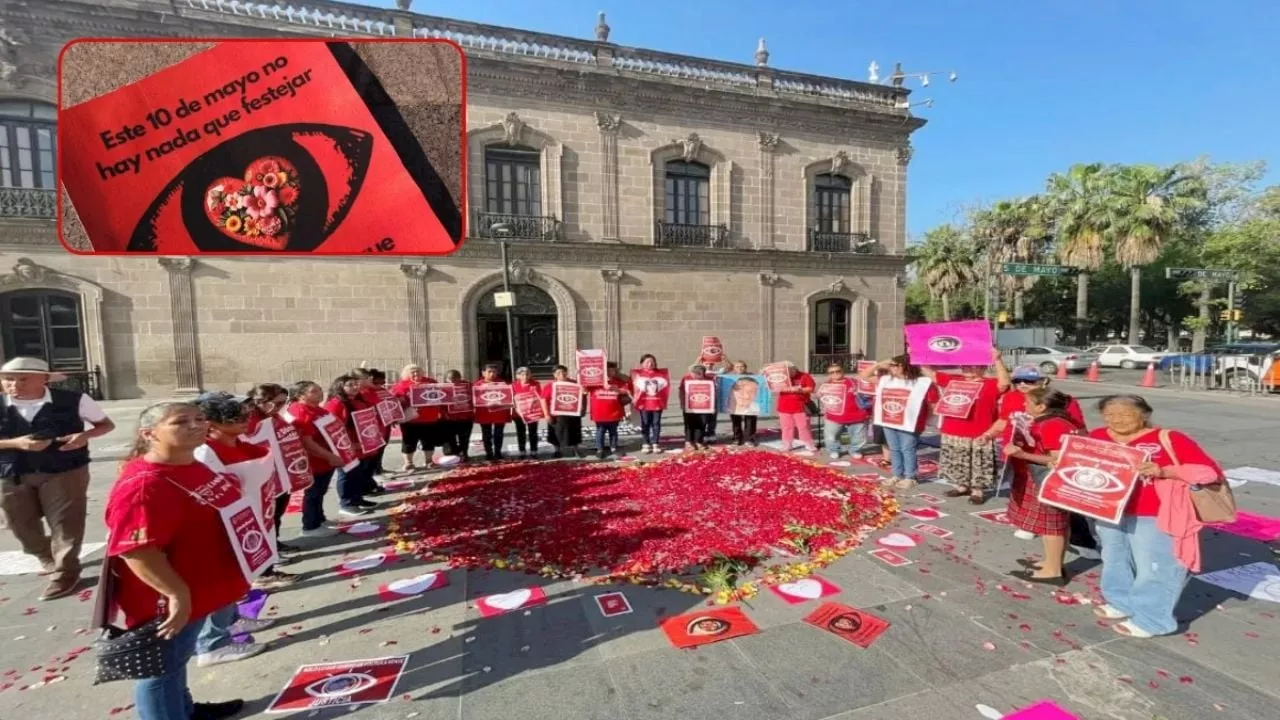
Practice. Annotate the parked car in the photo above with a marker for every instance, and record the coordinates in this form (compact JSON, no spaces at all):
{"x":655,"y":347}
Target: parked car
{"x":1201,"y":363}
{"x":1125,"y":356}
{"x":1048,"y":358}
{"x":1243,"y":365}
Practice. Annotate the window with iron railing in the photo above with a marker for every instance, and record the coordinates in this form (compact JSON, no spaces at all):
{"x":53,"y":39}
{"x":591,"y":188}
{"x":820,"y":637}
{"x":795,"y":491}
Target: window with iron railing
{"x":513,"y":197}
{"x":686,"y":217}
{"x":831,"y":196}
{"x":831,"y":327}
{"x":28,"y":146}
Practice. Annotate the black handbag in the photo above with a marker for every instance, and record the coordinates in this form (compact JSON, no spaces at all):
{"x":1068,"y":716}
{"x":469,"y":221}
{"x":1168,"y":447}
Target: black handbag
{"x":136,"y":654}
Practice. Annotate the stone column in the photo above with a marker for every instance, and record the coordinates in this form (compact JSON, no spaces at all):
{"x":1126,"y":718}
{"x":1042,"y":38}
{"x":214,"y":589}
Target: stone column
{"x":182,"y":315}
{"x":415,"y":286}
{"x":768,"y":281}
{"x":768,"y":148}
{"x":613,"y":312}
{"x":903,"y":154}
{"x":609,"y":126}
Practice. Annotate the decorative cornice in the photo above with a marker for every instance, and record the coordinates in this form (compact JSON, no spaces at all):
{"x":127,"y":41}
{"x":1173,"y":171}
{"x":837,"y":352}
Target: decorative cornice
{"x":689,"y":146}
{"x":513,"y":129}
{"x":26,"y":272}
{"x":608,"y":122}
{"x":769,"y":279}
{"x":839,"y":286}
{"x":768,"y":141}
{"x":904,"y":153}
{"x":612,"y":276}
{"x":415,"y":271}
{"x":177,"y":264}
{"x":839,"y":161}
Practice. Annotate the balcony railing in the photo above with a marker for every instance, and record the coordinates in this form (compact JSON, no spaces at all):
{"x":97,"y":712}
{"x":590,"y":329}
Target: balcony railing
{"x":674,"y":235}
{"x":88,"y":382}
{"x":500,"y":226}
{"x":27,"y":203}
{"x":835,"y":242}
{"x":818,"y":362}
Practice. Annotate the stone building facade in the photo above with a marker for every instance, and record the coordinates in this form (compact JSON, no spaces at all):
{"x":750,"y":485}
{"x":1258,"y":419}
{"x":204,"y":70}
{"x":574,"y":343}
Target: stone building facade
{"x":653,"y":199}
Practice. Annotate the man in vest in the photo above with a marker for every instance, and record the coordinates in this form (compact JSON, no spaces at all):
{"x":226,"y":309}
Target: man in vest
{"x":44,"y":467}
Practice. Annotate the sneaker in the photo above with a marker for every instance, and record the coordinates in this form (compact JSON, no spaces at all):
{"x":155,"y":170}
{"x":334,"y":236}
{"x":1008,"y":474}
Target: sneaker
{"x":323,"y":531}
{"x":366,"y":504}
{"x":647,"y":449}
{"x":60,"y":587}
{"x":1024,"y":535}
{"x":834,"y":456}
{"x":274,"y":580}
{"x":379,"y":478}
{"x":229,"y":653}
{"x":351,"y":511}
{"x":246,"y":626}
{"x":376,"y":490}
{"x":216,"y":711}
{"x":283,"y":559}
{"x":1086,"y":553}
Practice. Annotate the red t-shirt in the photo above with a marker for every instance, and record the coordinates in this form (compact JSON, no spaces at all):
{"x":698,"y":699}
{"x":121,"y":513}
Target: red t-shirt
{"x":339,"y":410}
{"x":304,"y":421}
{"x":1144,"y":501}
{"x":145,"y":509}
{"x":852,"y":413}
{"x":1014,"y":403}
{"x":606,"y":402}
{"x":240,"y":452}
{"x":983,"y":415}
{"x":491,"y":416}
{"x":415,"y":415}
{"x":793,"y":402}
{"x":1048,"y":433}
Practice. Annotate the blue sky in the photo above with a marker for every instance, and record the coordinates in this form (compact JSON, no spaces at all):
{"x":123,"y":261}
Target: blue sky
{"x":1043,"y":83}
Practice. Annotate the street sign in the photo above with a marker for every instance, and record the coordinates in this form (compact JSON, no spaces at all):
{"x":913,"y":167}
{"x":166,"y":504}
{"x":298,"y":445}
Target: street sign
{"x":1040,"y":270}
{"x":1200,"y":274}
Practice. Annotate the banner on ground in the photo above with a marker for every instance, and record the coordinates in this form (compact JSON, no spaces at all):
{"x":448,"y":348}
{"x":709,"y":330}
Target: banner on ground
{"x":950,"y":344}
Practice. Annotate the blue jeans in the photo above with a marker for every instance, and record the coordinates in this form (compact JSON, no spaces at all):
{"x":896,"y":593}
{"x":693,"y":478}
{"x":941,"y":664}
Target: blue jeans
{"x":351,"y":485}
{"x":651,"y":426}
{"x":831,"y":435}
{"x":167,"y":697}
{"x":902,"y":452}
{"x":1141,"y":577}
{"x":606,"y":431}
{"x":215,"y":631}
{"x":313,"y":500}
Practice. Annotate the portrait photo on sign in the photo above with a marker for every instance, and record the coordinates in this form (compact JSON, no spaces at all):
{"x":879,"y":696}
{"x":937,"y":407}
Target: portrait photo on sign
{"x":251,"y":147}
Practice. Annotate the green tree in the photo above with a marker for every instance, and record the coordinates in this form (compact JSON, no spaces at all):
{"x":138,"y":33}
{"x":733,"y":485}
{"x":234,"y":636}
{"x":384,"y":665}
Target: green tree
{"x":945,"y":262}
{"x":1076,"y":205}
{"x":1014,"y":231}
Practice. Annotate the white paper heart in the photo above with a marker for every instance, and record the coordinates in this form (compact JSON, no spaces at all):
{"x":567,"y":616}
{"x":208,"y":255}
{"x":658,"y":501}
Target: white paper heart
{"x":988,"y":712}
{"x":897,"y":540}
{"x":413,"y":585}
{"x":509,"y":601}
{"x":362,"y":528}
{"x":840,"y":463}
{"x":364,"y":563}
{"x":448,"y":460}
{"x":807,"y":588}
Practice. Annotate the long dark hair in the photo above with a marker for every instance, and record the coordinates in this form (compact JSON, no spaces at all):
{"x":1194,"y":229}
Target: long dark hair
{"x":266,"y":391}
{"x":909,"y":371}
{"x":337,"y":391}
{"x":647,"y":356}
{"x":1056,"y":404}
{"x":300,"y":387}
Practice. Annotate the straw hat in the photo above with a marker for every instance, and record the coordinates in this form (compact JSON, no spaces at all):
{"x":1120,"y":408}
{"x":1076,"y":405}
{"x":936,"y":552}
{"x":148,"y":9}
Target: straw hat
{"x":30,"y":366}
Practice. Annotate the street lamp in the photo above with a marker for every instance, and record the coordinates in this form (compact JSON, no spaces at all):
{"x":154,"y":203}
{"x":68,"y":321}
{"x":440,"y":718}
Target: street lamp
{"x":503,"y":231}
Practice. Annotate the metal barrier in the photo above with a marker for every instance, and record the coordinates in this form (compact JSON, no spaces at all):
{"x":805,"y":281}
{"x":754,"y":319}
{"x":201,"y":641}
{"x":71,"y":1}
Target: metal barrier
{"x":1241,"y":374}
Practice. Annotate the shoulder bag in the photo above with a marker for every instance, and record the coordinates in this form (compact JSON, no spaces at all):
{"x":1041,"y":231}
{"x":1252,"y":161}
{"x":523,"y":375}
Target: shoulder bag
{"x":1214,"y":503}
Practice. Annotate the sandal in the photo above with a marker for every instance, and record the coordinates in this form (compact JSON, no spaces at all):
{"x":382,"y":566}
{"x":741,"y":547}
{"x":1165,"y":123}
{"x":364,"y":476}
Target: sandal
{"x":1128,"y":629}
{"x":1029,"y":563}
{"x":1108,"y":612}
{"x":957,"y":492}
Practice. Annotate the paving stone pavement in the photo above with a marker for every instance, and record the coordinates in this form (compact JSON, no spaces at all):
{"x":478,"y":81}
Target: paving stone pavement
{"x":963,"y":634}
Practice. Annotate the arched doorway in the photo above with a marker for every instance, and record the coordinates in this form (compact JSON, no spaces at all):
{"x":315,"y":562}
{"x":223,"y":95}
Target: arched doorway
{"x":49,"y":325}
{"x":536,"y":331}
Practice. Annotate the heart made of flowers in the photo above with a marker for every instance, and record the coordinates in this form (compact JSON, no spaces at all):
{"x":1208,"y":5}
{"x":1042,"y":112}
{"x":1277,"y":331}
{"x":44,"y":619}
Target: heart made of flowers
{"x":897,"y":540}
{"x":258,"y":209}
{"x":509,"y":601}
{"x":414,"y":585}
{"x":808,"y":588}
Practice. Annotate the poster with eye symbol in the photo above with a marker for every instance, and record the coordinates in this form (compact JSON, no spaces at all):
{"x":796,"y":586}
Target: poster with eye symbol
{"x":703,"y":627}
{"x":1094,"y":478}
{"x":251,"y":147}
{"x":949,"y":344}
{"x":338,"y":684}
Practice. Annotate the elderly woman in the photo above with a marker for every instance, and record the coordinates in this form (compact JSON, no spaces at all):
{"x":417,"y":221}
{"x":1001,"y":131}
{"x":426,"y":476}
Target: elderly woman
{"x":421,"y":425}
{"x":1146,"y":556}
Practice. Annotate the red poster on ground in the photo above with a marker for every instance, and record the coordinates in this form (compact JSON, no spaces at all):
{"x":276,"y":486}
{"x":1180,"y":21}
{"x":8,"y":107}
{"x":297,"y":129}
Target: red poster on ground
{"x":529,"y":407}
{"x":430,"y":395}
{"x":778,"y":376}
{"x":492,"y":395}
{"x":958,"y":398}
{"x":591,"y":368}
{"x":894,"y":403}
{"x":700,"y":397}
{"x":712,"y":350}
{"x":339,"y":441}
{"x":459,"y":398}
{"x":503,"y":603}
{"x":652,"y":388}
{"x":566,"y":398}
{"x":703,"y":627}
{"x":245,"y":147}
{"x":1093,"y":478}
{"x":368,"y":430}
{"x":866,"y":387}
{"x":833,"y":397}
{"x":336,"y":684}
{"x":858,"y":627}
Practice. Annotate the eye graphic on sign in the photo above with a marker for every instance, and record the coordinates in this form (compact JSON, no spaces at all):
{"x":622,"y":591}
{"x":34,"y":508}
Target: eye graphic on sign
{"x":1151,"y":449}
{"x":370,"y":431}
{"x":299,"y":466}
{"x":341,"y":685}
{"x":956,"y":399}
{"x":894,"y":407}
{"x":700,"y":398}
{"x":343,"y":442}
{"x":1092,"y":480}
{"x":845,"y":623}
{"x":711,"y":351}
{"x":944,"y":343}
{"x":236,"y":197}
{"x":252,"y":541}
{"x":434,"y":395}
{"x":492,"y":396}
{"x":567,"y":398}
{"x":830,"y":400}
{"x":777,"y":377}
{"x":705,"y":626}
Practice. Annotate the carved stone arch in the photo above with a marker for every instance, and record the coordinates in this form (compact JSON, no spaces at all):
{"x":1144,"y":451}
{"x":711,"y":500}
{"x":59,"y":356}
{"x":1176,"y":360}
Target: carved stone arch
{"x":692,"y":148}
{"x":566,"y":310}
{"x":861,"y":335}
{"x":840,"y":163}
{"x":27,"y":275}
{"x":511,"y":132}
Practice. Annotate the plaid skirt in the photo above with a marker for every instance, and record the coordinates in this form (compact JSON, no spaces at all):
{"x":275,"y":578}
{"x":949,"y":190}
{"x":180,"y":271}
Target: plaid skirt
{"x":1028,"y":513}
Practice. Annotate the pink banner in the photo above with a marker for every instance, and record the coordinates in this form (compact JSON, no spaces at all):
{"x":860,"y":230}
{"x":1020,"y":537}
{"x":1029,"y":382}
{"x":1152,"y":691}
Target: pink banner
{"x":950,"y":344}
{"x":1250,"y":525}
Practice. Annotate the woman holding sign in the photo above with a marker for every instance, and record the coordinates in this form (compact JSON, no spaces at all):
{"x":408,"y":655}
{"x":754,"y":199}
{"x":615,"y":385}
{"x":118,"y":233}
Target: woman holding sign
{"x":302,"y":413}
{"x":650,"y":387}
{"x":169,"y":559}
{"x":697,"y":400}
{"x":528,"y":412}
{"x":562,"y":400}
{"x":266,"y":401}
{"x":792,"y":417}
{"x":1146,"y":556}
{"x":969,"y":407}
{"x":903,"y":398}
{"x":421,"y":425}
{"x":344,"y":399}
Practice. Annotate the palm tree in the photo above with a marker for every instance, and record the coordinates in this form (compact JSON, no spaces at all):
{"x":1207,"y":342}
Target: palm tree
{"x":945,"y":263}
{"x":1144,"y":206}
{"x":1076,"y":204}
{"x":1014,"y":231}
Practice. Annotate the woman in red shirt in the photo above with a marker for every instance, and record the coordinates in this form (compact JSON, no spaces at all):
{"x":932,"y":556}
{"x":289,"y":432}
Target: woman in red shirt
{"x":459,"y":418}
{"x":302,"y":413}
{"x":526,"y":432}
{"x":901,"y":384}
{"x":344,"y":399}
{"x":608,"y":407}
{"x":648,"y":388}
{"x":371,"y":382}
{"x":846,"y":415}
{"x":492,"y":420}
{"x":968,"y":456}
{"x":421,"y":425}
{"x":1142,"y":573}
{"x":564,"y":430}
{"x":169,"y":554}
{"x":792,"y":417}
{"x":266,"y":401}
{"x":696,"y":425}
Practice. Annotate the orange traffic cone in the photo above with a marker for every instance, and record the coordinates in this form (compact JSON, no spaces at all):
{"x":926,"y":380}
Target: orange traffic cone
{"x":1092,"y":374}
{"x":1062,"y":371}
{"x":1149,"y":377}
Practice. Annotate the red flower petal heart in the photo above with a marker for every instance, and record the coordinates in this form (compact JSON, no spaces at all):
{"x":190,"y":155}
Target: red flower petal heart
{"x":259,"y":209}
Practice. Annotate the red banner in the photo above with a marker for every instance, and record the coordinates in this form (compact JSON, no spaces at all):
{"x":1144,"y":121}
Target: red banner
{"x":529,"y":407}
{"x":1093,"y":478}
{"x":778,"y":376}
{"x":390,"y":411}
{"x":958,"y":398}
{"x":700,"y":396}
{"x":292,"y":457}
{"x":712,"y":350}
{"x":492,"y":395}
{"x":652,"y":388}
{"x":592,"y":365}
{"x":566,"y":398}
{"x":339,"y":440}
{"x":244,"y":147}
{"x":894,"y":403}
{"x":833,"y":398}
{"x":368,"y":430}
{"x":866,"y":387}
{"x":459,"y":398}
{"x":430,"y":395}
